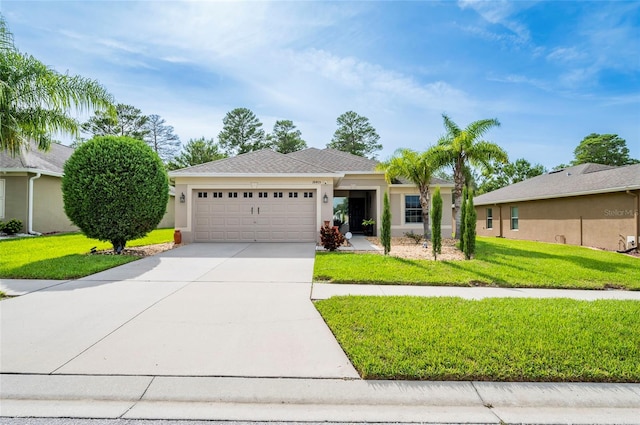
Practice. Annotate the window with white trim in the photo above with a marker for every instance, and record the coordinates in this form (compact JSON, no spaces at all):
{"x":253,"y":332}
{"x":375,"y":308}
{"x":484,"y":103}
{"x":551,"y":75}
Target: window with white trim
{"x":514,"y":218}
{"x":412,"y":209}
{"x":489,"y":218}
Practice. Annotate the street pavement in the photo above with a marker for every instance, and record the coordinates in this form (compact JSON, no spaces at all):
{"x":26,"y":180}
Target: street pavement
{"x":228,"y":332}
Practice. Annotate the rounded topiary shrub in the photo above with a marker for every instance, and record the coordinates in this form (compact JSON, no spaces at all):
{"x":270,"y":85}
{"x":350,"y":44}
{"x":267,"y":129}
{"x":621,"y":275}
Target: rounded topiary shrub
{"x":115,"y":189}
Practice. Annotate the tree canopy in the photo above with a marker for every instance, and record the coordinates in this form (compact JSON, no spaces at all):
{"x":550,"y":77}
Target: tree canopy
{"x":461,"y":148}
{"x":37,"y":101}
{"x":608,"y":149}
{"x":161,"y":137}
{"x":285,"y":138}
{"x":195,"y":152}
{"x":125,"y":120}
{"x":355,"y":135}
{"x":501,"y":175}
{"x":241,"y":133}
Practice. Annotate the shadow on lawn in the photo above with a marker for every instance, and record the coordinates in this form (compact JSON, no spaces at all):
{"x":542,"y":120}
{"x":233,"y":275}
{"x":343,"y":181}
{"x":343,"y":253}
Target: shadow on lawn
{"x":71,"y":266}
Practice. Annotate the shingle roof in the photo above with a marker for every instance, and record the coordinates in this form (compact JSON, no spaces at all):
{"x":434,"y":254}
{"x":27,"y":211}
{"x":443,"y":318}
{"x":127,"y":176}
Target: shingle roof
{"x":263,"y":161}
{"x":335,"y":160}
{"x":48,"y":162}
{"x":581,"y":179}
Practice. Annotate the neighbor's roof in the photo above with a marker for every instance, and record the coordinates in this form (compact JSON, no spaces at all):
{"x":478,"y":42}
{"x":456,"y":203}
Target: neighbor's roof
{"x":264,"y":161}
{"x":33,"y":160}
{"x":584,"y":179}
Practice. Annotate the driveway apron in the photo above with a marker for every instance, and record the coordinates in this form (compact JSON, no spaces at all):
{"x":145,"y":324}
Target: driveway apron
{"x":231,"y":309}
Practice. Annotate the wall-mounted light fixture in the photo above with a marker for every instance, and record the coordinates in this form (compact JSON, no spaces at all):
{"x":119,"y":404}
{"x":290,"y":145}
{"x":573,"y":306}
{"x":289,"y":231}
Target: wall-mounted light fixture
{"x":325,"y":198}
{"x":182,"y":198}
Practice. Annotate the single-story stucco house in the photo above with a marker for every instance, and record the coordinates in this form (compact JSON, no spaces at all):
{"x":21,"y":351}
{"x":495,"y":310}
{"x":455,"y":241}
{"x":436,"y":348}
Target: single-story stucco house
{"x":31,"y":190}
{"x":589,"y":204}
{"x":267,"y":196}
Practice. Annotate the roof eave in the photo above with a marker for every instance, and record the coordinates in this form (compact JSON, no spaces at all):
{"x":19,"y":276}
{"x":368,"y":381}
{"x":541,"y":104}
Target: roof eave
{"x":31,"y":170}
{"x":253,"y":175}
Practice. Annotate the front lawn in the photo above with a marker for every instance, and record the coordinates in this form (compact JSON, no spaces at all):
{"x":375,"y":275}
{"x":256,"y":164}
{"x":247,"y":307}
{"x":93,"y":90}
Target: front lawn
{"x":499,"y":262}
{"x":64,"y":256}
{"x":488,"y":340}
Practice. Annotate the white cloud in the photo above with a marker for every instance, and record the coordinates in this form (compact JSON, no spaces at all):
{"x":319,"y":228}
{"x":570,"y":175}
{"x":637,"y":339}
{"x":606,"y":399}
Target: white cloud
{"x":500,"y":12}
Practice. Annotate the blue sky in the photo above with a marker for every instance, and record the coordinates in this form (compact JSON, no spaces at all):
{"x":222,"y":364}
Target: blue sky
{"x":551,"y":72}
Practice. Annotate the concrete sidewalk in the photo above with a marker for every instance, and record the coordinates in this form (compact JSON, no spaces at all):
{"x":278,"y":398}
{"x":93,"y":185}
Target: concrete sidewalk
{"x":321,"y":291}
{"x":317,"y":400}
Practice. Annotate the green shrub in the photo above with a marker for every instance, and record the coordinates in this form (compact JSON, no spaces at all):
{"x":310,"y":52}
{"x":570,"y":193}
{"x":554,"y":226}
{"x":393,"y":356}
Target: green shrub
{"x":115,"y":189}
{"x":11,"y":227}
{"x":436,"y":223}
{"x":463,"y":212}
{"x":415,"y":237}
{"x":469,"y":234}
{"x":385,"y":228}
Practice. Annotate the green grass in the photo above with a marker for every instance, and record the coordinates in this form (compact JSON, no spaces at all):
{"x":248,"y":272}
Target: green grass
{"x":499,"y":262}
{"x":64,"y":256}
{"x":498,"y":339}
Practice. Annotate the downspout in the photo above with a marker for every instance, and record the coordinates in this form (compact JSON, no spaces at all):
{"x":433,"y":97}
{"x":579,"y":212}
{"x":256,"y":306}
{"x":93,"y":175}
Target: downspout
{"x":30,"y":216}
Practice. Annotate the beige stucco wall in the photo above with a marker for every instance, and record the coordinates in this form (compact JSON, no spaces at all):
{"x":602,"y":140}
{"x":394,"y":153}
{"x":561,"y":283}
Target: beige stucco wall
{"x":601,"y":221}
{"x":15,"y":198}
{"x":168,"y":221}
{"x":399,"y":227}
{"x":48,"y":207}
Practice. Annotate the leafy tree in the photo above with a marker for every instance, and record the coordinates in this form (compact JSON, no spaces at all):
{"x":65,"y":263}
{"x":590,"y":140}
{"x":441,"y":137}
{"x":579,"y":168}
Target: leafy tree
{"x":469,"y":227}
{"x":161,"y":137}
{"x":501,"y":175}
{"x":436,"y":223}
{"x":608,"y":149}
{"x":126,"y":120}
{"x":385,"y":228}
{"x":462,"y":148}
{"x":36,"y":101}
{"x":241,"y":133}
{"x":560,"y":167}
{"x":115,"y":189}
{"x":285,"y":138}
{"x":195,"y":152}
{"x":417,"y":168}
{"x":355,"y":135}
{"x":463,"y":217}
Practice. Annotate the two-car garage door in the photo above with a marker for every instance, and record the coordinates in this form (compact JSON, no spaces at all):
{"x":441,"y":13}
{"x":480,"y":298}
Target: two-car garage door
{"x":254,"y":215}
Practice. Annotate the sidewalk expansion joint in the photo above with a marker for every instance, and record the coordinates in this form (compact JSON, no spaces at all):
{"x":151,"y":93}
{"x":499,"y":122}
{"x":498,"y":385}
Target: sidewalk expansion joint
{"x":486,"y":404}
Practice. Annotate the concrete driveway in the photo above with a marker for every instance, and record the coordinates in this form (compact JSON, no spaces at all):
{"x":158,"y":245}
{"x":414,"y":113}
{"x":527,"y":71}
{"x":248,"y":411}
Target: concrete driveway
{"x":238,"y":310}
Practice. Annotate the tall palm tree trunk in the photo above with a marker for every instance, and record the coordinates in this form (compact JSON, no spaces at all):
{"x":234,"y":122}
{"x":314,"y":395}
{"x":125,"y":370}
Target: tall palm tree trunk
{"x":424,"y":204}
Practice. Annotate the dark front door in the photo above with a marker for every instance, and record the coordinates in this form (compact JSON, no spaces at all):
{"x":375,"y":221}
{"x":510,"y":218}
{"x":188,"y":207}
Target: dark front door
{"x":356,"y":214}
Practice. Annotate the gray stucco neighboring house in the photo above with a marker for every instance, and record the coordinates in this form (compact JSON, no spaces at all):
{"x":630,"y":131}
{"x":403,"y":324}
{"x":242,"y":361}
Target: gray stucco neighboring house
{"x":268,"y":196}
{"x":31,"y":190}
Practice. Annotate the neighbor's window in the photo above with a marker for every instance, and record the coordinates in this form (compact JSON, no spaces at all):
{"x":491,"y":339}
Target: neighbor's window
{"x":489,"y":218}
{"x":412,"y":209}
{"x":514,"y":218}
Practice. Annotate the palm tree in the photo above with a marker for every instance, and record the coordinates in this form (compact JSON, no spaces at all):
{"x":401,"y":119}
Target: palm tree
{"x":417,"y":167}
{"x":35,"y":100}
{"x":461,"y":148}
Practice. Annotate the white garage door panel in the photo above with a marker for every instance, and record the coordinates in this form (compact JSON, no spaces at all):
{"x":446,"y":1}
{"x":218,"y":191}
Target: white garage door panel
{"x":255,"y":217}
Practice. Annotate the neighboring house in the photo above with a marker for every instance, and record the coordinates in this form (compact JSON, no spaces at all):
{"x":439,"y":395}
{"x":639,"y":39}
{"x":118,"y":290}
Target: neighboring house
{"x":268,"y":196}
{"x":590,"y":204}
{"x":31,"y":190}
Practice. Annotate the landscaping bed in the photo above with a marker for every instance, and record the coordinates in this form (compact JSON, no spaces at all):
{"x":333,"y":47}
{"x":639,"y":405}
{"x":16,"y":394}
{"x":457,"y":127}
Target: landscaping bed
{"x":407,"y":248}
{"x":498,"y":262}
{"x":499,"y":339}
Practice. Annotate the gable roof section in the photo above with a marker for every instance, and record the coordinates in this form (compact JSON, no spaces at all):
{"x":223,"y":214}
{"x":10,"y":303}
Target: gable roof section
{"x":584,"y":179}
{"x":262,"y":162}
{"x":335,"y":160}
{"x":33,"y":160}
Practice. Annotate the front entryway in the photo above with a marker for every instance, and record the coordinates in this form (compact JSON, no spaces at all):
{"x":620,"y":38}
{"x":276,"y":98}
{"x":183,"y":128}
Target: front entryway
{"x":282,"y":215}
